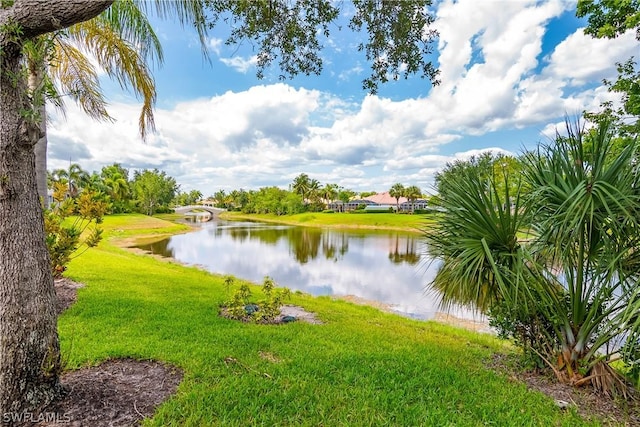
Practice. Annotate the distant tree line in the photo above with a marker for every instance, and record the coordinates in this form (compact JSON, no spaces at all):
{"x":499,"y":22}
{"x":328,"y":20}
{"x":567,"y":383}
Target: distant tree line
{"x":305,"y":194}
{"x":152,"y":191}
{"x":149,"y":191}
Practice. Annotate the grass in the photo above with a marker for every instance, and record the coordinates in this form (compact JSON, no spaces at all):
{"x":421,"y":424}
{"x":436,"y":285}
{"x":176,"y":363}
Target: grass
{"x":387,"y":221}
{"x":362,"y":367}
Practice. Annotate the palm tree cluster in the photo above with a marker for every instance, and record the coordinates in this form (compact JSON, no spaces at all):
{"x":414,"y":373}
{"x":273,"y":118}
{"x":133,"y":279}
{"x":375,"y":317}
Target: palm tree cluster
{"x":304,"y":195}
{"x":122,"y":42}
{"x":554,"y":263}
{"x":120,"y":194}
{"x":313,"y":193}
{"x":111,"y":185}
{"x":411,"y":193}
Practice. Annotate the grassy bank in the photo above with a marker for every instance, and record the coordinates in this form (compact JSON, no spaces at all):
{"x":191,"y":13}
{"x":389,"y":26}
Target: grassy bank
{"x":387,"y":221}
{"x":361,"y":367}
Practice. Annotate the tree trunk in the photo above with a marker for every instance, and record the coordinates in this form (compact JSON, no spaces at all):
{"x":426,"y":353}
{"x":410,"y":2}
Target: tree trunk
{"x":41,"y":159}
{"x":29,"y":351}
{"x":29,"y":348}
{"x":37,"y":68}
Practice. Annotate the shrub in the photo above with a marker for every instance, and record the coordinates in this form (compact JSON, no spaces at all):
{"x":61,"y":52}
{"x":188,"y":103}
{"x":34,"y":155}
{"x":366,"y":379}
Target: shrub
{"x":529,"y":330}
{"x":70,"y":224}
{"x":240,"y":307}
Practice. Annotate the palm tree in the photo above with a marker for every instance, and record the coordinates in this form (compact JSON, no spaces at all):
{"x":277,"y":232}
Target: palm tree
{"x":71,"y":178}
{"x":314,"y":190}
{"x":301,"y":185}
{"x":94,"y":183}
{"x":568,"y":291}
{"x":397,"y":191}
{"x":116,"y":181}
{"x":220,"y":198}
{"x":76,"y":177}
{"x":329,"y":192}
{"x":412,"y":193}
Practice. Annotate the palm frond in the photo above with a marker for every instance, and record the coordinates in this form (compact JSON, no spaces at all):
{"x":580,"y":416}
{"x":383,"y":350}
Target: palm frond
{"x":127,"y":19}
{"x":122,"y":62}
{"x":188,"y":12}
{"x":476,"y":239}
{"x":78,"y":78}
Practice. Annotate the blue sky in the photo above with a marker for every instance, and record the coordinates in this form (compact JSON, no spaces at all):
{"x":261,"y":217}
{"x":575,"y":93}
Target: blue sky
{"x":510,"y":71}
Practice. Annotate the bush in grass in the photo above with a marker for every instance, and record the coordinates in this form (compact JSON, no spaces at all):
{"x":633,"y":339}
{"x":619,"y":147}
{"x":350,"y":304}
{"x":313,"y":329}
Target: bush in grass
{"x":70,"y":224}
{"x":266,"y":310}
{"x":529,"y":330}
{"x":236,"y":306}
{"x":570,"y":287}
{"x":269,"y":307}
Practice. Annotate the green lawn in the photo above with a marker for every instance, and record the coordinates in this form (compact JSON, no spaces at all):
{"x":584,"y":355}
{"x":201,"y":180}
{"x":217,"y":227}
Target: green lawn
{"x":388,"y":221}
{"x":362,"y":367}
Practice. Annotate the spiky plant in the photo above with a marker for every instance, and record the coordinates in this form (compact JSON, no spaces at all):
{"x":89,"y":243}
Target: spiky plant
{"x":565,"y":258}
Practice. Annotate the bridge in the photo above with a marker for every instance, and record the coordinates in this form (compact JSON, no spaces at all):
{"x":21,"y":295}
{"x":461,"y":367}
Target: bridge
{"x":191,"y":208}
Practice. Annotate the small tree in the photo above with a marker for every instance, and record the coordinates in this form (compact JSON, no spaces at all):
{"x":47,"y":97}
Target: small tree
{"x":153,"y":190}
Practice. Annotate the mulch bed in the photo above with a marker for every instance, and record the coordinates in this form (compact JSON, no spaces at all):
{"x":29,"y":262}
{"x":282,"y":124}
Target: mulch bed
{"x":589,"y":404}
{"x":119,"y":392}
{"x":66,"y":293}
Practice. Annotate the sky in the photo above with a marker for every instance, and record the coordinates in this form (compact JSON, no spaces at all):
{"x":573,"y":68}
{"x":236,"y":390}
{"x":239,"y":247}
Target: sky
{"x":510,"y":72}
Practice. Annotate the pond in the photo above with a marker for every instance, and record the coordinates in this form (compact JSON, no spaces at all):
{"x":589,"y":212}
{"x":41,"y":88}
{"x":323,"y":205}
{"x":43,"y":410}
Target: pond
{"x":382,"y":266}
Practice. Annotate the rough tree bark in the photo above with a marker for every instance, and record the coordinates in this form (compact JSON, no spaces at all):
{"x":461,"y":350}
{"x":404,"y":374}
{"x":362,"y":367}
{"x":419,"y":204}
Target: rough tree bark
{"x":29,"y":349}
{"x":41,"y":159}
{"x":36,"y":67}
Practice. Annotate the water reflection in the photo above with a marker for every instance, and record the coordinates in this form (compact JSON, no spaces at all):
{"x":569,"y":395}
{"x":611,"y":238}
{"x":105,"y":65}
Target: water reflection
{"x":304,"y":244}
{"x":388,"y":267}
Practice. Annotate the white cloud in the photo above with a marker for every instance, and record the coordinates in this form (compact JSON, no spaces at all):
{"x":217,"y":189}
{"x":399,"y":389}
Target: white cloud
{"x":581,"y":59}
{"x":241,"y":65}
{"x":486,"y":49}
{"x":215,"y":44}
{"x":346,"y":74}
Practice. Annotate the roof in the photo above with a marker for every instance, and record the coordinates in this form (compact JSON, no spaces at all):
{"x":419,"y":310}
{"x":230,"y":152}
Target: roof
{"x":385,"y":199}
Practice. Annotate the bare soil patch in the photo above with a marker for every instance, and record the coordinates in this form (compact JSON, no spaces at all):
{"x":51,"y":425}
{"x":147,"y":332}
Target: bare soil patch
{"x":589,"y":404}
{"x":472,"y":325}
{"x":66,"y":293}
{"x":299,"y":313}
{"x":363,"y":301}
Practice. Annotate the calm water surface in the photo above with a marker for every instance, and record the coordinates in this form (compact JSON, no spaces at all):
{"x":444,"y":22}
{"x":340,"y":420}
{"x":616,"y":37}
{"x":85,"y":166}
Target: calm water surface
{"x":383,"y":266}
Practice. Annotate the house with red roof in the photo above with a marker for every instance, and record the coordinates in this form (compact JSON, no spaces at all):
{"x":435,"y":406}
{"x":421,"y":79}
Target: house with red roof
{"x":378,"y":202}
